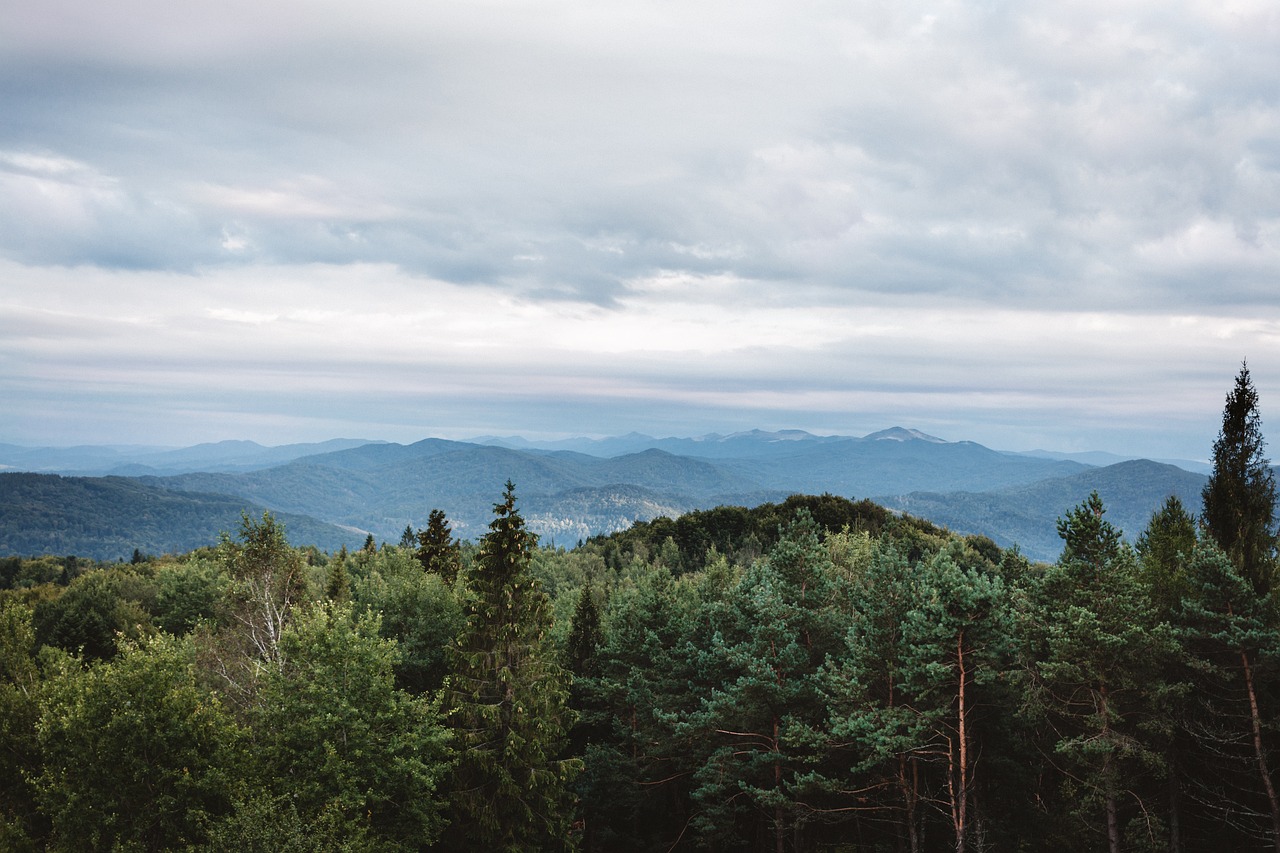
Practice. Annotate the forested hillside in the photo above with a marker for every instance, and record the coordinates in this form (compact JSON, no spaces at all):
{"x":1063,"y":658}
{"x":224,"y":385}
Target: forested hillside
{"x":567,"y":495}
{"x":108,"y":518}
{"x":816,"y":674}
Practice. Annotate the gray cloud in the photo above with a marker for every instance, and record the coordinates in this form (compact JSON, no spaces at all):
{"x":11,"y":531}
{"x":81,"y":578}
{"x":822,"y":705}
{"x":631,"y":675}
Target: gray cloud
{"x":903,"y":162}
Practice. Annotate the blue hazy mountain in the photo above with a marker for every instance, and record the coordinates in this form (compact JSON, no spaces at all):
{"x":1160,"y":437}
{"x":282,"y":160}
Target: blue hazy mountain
{"x":576,"y":488}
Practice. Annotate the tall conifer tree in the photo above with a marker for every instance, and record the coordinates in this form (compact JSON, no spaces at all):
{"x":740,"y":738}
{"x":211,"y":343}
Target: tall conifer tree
{"x":1240,"y":497}
{"x":506,"y":700}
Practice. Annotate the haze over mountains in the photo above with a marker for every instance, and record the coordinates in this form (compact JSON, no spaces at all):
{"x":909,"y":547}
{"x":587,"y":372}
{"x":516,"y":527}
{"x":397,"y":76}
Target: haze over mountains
{"x":340,"y":491}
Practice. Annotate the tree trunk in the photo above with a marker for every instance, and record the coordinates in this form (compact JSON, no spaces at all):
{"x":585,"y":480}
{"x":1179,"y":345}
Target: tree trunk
{"x":909,"y":803}
{"x":962,"y":792}
{"x":1259,"y":752}
{"x":779,"y":816}
{"x":1113,"y":817}
{"x":1175,"y":800}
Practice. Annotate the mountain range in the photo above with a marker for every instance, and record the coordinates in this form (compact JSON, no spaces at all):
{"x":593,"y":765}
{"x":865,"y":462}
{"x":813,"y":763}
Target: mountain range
{"x":338,"y":492}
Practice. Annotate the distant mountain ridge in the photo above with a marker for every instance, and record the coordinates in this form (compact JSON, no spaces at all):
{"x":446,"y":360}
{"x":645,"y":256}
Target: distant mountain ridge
{"x":136,"y":460}
{"x":573,"y":489}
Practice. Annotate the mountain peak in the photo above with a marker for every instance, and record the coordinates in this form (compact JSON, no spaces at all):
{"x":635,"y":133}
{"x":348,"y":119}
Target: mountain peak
{"x":902,"y":434}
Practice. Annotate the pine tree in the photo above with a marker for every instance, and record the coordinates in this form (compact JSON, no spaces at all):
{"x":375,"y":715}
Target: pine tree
{"x":1229,"y":635}
{"x":506,"y":703}
{"x":957,"y":641}
{"x":1096,"y":680}
{"x":1240,"y":497}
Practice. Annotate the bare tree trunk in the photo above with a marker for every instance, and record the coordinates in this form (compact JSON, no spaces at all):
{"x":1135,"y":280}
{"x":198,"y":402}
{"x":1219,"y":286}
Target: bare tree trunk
{"x":1113,"y":817}
{"x":1175,"y":801}
{"x":962,"y":794}
{"x":909,"y":804}
{"x":1259,"y":752}
{"x":779,"y":816}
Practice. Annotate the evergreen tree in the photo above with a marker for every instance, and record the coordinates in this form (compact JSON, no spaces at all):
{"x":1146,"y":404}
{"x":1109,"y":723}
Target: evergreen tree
{"x":775,"y":628}
{"x":878,"y":741}
{"x":506,"y":701}
{"x":585,"y":636}
{"x":1240,"y":497}
{"x":337,"y":587}
{"x":1096,"y":677}
{"x":957,"y":642}
{"x":408,"y":539}
{"x":437,"y":550}
{"x":1231,"y":640}
{"x":1163,"y":549}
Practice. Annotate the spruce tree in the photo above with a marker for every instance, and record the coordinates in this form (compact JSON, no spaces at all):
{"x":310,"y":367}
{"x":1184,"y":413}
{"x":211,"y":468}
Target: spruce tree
{"x":1240,"y":497}
{"x":506,"y":703}
{"x":438,"y":551}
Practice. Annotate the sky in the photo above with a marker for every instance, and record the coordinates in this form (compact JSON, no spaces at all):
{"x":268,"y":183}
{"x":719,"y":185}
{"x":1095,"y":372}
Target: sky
{"x":1031,"y":225}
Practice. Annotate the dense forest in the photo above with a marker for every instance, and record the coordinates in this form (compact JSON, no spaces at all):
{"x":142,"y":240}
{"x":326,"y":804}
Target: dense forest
{"x":812,"y":675}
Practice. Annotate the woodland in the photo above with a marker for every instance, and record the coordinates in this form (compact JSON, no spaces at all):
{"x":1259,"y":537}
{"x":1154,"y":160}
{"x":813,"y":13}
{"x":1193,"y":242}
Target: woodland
{"x":816,"y":674}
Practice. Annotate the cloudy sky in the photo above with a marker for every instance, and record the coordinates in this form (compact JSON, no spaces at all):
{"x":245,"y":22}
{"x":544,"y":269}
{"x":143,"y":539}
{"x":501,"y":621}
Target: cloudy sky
{"x":1025,"y":224}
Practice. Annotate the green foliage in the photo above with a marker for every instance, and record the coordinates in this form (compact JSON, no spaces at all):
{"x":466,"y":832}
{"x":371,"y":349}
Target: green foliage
{"x":585,"y":635}
{"x":1162,"y":549}
{"x":507,"y":703}
{"x":1096,"y":676}
{"x":95,"y":609}
{"x":438,"y":551}
{"x":418,"y":611}
{"x":19,"y":712}
{"x":189,"y":592}
{"x":337,"y":586}
{"x":774,"y":629}
{"x":267,"y":581}
{"x":1231,"y":640}
{"x":1240,"y":497}
{"x":133,"y":751}
{"x":336,"y":739}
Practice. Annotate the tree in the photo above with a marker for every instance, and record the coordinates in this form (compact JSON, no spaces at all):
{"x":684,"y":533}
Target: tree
{"x":437,"y":550}
{"x":1240,"y":497}
{"x":337,"y":586}
{"x":95,"y":608}
{"x":774,"y":629}
{"x":506,"y":701}
{"x":134,"y":751}
{"x":337,"y":740}
{"x":1096,"y":677}
{"x":585,"y":635}
{"x":878,"y":742}
{"x":957,"y":641}
{"x":19,"y":712}
{"x":267,"y":582}
{"x":1229,"y":634}
{"x":1163,"y":549}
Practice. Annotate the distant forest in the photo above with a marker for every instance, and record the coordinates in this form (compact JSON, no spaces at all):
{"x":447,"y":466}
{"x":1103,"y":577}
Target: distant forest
{"x":814,"y":674}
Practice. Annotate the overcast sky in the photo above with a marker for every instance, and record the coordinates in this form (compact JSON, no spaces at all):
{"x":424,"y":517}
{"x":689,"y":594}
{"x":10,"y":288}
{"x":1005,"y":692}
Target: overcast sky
{"x":1025,"y":224}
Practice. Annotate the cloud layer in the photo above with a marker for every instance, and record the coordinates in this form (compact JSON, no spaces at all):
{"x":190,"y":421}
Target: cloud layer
{"x":1015,"y":224}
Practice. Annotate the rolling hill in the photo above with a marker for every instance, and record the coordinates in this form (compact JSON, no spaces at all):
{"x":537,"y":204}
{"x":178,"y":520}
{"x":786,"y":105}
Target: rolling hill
{"x":332,"y":493}
{"x":106,"y":518}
